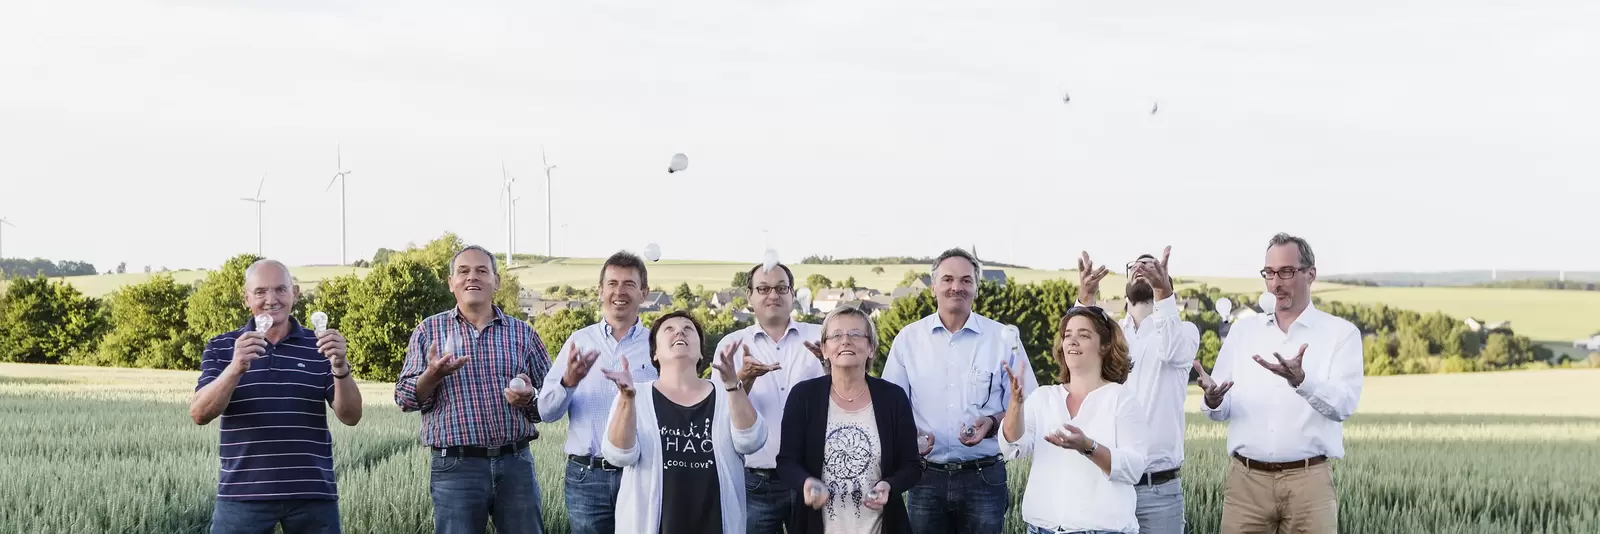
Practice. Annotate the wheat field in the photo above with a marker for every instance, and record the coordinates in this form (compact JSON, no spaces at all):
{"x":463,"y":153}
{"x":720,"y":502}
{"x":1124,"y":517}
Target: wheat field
{"x":113,"y":450}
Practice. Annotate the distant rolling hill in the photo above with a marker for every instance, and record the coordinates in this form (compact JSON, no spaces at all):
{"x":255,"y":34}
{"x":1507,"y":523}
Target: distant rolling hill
{"x":1461,"y":278}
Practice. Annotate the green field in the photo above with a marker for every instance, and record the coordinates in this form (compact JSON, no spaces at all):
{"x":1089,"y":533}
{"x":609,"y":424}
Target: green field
{"x":1541,"y":314}
{"x":113,"y":450}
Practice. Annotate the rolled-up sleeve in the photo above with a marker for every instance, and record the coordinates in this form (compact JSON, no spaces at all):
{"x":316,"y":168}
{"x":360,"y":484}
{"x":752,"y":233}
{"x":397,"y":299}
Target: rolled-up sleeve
{"x":749,"y":440}
{"x":1023,"y":446}
{"x":1336,"y":392}
{"x":405,"y":389}
{"x":618,"y":456}
{"x":554,"y":397}
{"x":1129,"y":454}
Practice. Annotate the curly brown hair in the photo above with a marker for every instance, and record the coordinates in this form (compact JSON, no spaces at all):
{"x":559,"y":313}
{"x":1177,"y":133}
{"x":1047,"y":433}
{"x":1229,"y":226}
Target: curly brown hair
{"x":1114,"y":362}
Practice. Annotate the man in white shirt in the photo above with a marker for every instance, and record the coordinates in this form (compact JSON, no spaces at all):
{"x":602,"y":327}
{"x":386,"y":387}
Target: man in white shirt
{"x":1162,"y":347}
{"x":777,"y":355}
{"x":575,"y":387}
{"x":1298,"y":372}
{"x":951,"y":365}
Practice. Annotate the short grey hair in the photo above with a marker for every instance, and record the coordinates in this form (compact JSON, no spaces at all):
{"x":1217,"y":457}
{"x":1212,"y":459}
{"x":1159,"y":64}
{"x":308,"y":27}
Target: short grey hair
{"x":493,"y":267}
{"x":264,"y":262}
{"x":1307,"y":258}
{"x":977,"y":268}
{"x":851,"y":311}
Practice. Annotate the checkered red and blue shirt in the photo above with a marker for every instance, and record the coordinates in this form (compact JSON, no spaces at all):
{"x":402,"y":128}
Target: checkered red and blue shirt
{"x":468,"y":407}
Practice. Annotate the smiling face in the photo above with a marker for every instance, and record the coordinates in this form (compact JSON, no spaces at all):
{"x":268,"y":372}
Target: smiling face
{"x":472,"y":279}
{"x":677,"y":344}
{"x":1294,"y":293}
{"x":621,"y":291}
{"x":779,"y":298}
{"x":847,"y":342}
{"x":1081,"y":346}
{"x":1138,"y":289}
{"x":269,"y":290}
{"x":955,"y":281}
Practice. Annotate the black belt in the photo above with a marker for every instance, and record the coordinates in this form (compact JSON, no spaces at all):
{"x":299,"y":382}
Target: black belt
{"x":481,"y":452}
{"x":970,"y":465}
{"x":769,"y":474}
{"x":1279,"y":466}
{"x":1157,"y":478}
{"x":592,"y":462}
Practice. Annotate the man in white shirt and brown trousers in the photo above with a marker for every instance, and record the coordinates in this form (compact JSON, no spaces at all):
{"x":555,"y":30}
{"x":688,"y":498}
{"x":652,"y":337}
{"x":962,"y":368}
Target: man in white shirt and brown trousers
{"x":1298,"y":372}
{"x":1162,"y":347}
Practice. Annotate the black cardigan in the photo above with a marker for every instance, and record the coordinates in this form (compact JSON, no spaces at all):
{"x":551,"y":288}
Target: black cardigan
{"x":800,"y":453}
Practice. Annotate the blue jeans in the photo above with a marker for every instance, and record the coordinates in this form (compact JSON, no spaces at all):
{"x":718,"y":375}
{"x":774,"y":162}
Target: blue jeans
{"x":592,"y":498}
{"x":767,"y":504}
{"x":1039,"y":530}
{"x":1160,"y":508}
{"x":261,"y":517}
{"x":468,"y":491}
{"x":962,"y":502}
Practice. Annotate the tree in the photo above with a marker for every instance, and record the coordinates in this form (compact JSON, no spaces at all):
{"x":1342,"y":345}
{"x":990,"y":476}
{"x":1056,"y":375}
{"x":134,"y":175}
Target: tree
{"x":149,"y":328}
{"x":849,"y":283}
{"x":877,"y":269}
{"x":741,"y":279}
{"x":818,"y":282}
{"x":555,"y":328}
{"x":382,"y":256}
{"x":509,"y":295}
{"x":910,"y":277}
{"x":44,"y":322}
{"x":1210,"y":346}
{"x":217,"y":304}
{"x":123,"y":267}
{"x":333,"y":297}
{"x":683,"y":297}
{"x":385,"y":309}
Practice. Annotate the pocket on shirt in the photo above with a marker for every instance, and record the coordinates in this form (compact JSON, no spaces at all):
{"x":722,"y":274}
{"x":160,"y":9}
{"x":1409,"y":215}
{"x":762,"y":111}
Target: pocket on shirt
{"x":981,"y":390}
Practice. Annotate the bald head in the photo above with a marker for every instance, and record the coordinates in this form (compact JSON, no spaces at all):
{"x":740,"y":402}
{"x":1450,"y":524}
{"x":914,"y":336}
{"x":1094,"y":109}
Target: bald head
{"x":269,"y":289}
{"x":268,"y":265}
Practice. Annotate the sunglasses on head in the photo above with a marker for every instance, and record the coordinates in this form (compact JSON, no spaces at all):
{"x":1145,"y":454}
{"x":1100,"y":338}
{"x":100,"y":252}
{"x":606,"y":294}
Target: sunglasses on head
{"x":1096,"y":309}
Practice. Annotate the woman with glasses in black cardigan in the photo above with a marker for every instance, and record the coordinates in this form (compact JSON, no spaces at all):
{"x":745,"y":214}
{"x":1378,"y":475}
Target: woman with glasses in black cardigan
{"x":849,"y":442}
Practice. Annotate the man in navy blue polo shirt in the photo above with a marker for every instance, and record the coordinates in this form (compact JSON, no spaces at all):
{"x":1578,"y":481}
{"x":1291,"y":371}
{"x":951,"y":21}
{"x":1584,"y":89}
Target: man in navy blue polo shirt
{"x":270,"y":389}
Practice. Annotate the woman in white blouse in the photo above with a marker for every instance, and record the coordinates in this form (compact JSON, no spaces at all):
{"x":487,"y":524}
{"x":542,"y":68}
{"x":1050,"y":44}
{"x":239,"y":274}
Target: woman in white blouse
{"x":681,"y":447}
{"x":1086,"y":433}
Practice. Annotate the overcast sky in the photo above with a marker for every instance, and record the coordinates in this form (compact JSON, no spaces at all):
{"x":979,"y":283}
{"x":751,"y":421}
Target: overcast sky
{"x":1425,"y":136}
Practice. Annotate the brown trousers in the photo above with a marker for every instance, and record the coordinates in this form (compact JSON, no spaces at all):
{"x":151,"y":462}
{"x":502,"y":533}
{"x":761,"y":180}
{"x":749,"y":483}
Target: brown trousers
{"x":1289,"y":501}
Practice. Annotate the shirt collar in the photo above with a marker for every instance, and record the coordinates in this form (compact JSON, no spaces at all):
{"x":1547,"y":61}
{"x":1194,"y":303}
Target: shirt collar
{"x":499,"y":316}
{"x":794,"y":328}
{"x":972,"y":323}
{"x":638,"y":325}
{"x":295,"y":330}
{"x":1309,"y":317}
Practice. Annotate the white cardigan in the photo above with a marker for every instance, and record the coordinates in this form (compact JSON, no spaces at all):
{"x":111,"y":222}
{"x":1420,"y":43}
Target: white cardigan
{"x":639,"y":501}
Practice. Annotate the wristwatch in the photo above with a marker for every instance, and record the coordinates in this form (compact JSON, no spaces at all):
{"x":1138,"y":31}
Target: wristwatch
{"x":994,"y":429}
{"x":1093,"y":446}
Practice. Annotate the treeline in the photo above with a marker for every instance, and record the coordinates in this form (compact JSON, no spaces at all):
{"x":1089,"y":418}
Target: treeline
{"x":1352,"y":282}
{"x":19,"y":268}
{"x":1543,"y":284}
{"x":164,"y":324}
{"x":889,"y":260}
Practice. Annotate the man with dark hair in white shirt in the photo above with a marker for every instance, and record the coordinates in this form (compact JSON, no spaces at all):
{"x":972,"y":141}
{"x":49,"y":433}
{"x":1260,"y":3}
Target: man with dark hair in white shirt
{"x":1286,"y":419}
{"x":1162,"y":347}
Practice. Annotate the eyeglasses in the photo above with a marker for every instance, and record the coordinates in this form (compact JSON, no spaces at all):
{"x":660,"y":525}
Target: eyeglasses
{"x":1147,"y":262}
{"x":1285,"y":274}
{"x":767,"y":290}
{"x":854,"y":335}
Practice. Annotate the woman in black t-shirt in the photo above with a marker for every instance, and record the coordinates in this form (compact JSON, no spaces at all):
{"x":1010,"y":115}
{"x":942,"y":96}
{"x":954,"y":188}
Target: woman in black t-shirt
{"x":681,"y":449}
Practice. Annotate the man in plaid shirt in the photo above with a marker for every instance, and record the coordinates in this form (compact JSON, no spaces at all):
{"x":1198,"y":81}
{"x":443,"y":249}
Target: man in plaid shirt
{"x":471,"y":372}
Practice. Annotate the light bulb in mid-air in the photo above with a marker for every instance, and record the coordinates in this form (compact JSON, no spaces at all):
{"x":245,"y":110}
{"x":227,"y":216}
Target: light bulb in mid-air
{"x":679,"y":163}
{"x":769,"y":260}
{"x":652,"y":252}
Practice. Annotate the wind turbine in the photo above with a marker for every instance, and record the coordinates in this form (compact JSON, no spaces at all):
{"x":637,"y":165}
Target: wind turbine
{"x":510,"y":202}
{"x":549,"y":246}
{"x":259,"y":202}
{"x":340,"y":176}
{"x":3,"y":224}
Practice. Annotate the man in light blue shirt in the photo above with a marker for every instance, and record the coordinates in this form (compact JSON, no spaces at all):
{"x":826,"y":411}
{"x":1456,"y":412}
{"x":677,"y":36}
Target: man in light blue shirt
{"x":574,"y":387}
{"x":951,"y":364}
